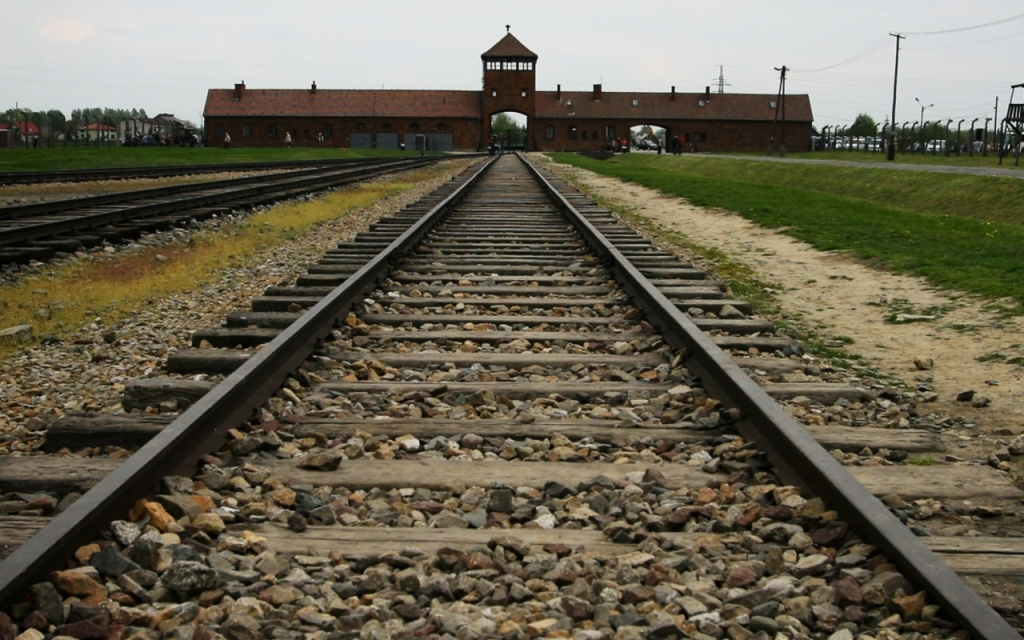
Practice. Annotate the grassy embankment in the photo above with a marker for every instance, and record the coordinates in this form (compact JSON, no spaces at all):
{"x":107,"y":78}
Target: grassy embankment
{"x":69,"y":158}
{"x":960,"y":232}
{"x":111,"y":289}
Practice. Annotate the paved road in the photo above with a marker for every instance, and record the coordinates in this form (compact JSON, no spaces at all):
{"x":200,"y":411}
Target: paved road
{"x":896,"y":166}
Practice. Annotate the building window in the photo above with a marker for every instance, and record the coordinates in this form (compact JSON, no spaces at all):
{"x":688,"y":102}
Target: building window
{"x":494,"y":93}
{"x":328,"y":130}
{"x":609,"y":132}
{"x":246,"y":130}
{"x":360,"y":126}
{"x":572,"y":133}
{"x":271,"y":130}
{"x":415,"y":126}
{"x":220,"y":130}
{"x":636,"y":103}
{"x":442,"y":126}
{"x":773,"y":104}
{"x":386,"y":126}
{"x":701,"y":137}
{"x":522,"y":92}
{"x":568,"y":102}
{"x":701,"y":103}
{"x":593,"y":135}
{"x":549,"y":132}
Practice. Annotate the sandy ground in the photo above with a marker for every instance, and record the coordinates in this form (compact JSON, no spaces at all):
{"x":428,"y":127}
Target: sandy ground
{"x":838,"y":296}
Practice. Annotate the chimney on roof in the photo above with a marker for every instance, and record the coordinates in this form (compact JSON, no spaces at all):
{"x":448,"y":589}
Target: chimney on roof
{"x":558,"y":95}
{"x":707,"y":93}
{"x":239,"y":89}
{"x":673,"y":92}
{"x":313,"y":88}
{"x":597,"y":92}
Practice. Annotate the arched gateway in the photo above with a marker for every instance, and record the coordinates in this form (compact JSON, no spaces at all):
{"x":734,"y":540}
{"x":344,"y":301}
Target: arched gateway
{"x":461,"y":120}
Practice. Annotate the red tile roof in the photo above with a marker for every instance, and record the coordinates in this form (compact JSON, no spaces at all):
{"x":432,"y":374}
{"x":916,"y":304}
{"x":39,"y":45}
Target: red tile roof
{"x":394,"y":103}
{"x":654,"y":106}
{"x":26,"y":128}
{"x":509,"y":47}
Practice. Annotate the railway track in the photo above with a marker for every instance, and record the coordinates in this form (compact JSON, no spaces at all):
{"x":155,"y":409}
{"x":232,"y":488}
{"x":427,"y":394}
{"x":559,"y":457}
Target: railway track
{"x":492,"y":412}
{"x":41,"y":230}
{"x":134,"y":173}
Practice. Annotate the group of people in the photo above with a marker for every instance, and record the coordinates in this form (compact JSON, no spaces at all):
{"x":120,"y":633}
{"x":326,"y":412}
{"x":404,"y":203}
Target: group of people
{"x":287,"y":140}
{"x":496,"y":144}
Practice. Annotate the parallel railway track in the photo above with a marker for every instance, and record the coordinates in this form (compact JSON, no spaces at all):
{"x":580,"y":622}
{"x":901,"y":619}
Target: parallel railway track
{"x":505,"y":359}
{"x":38,"y":231}
{"x":134,"y":173}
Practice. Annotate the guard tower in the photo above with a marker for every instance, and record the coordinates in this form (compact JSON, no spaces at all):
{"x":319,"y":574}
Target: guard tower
{"x":510,"y":72}
{"x":1014,"y":122}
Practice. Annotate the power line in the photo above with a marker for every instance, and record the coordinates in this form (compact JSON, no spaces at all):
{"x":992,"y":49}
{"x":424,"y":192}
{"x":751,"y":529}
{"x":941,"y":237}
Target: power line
{"x":977,"y":26}
{"x":872,"y":48}
{"x":966,"y":44}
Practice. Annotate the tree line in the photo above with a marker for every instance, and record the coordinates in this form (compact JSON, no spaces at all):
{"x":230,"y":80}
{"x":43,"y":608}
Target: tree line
{"x":56,"y":119}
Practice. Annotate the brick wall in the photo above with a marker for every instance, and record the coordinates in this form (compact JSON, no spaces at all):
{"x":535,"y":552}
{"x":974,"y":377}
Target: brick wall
{"x":703,"y":135}
{"x":465,"y":132}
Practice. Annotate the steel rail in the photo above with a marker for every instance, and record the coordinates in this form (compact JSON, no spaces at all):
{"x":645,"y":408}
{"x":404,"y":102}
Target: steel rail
{"x":796,"y":455}
{"x":28,"y":232}
{"x":121,"y":173}
{"x":71,"y":204}
{"x":203,"y":426}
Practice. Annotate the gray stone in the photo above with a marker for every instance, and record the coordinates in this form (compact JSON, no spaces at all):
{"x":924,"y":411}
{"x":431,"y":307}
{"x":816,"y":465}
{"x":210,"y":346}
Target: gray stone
{"x":111,"y":563}
{"x":187,"y":577}
{"x":48,"y":602}
{"x":17,"y":331}
{"x":477,"y":518}
{"x":126,"y":533}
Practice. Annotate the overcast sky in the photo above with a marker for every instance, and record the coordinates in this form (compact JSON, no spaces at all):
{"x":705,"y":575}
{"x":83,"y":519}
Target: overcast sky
{"x":162,"y":57}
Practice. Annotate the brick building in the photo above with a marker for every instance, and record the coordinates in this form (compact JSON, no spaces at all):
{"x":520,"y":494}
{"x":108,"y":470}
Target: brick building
{"x":448,"y":120}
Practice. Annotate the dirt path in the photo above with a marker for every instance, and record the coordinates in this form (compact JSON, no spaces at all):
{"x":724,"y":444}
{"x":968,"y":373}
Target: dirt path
{"x":837,"y":296}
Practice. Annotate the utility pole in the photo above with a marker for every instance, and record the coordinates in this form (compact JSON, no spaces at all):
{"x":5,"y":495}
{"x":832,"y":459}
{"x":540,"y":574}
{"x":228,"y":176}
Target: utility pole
{"x":891,"y":155}
{"x":780,"y":102}
{"x":998,"y":140}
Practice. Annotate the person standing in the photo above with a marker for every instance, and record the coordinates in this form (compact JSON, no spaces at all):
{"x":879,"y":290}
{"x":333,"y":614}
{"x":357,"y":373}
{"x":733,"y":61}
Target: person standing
{"x":227,"y":140}
{"x":288,"y":140}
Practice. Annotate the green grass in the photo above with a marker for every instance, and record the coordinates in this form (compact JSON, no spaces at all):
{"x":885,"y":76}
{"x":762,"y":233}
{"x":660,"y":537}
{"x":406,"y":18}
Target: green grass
{"x":959,"y":232}
{"x":66,"y":158}
{"x":992,"y":161}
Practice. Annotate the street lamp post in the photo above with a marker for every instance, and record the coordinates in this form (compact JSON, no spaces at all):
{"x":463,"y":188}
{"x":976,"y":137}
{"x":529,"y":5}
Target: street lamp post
{"x":923,"y":107}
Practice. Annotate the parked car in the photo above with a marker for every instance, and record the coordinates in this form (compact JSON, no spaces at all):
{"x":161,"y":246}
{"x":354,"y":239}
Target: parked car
{"x":936,"y":146}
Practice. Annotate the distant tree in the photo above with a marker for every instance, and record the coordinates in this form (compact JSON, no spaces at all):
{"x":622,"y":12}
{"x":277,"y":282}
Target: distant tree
{"x":864,"y":125}
{"x":504,"y":122}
